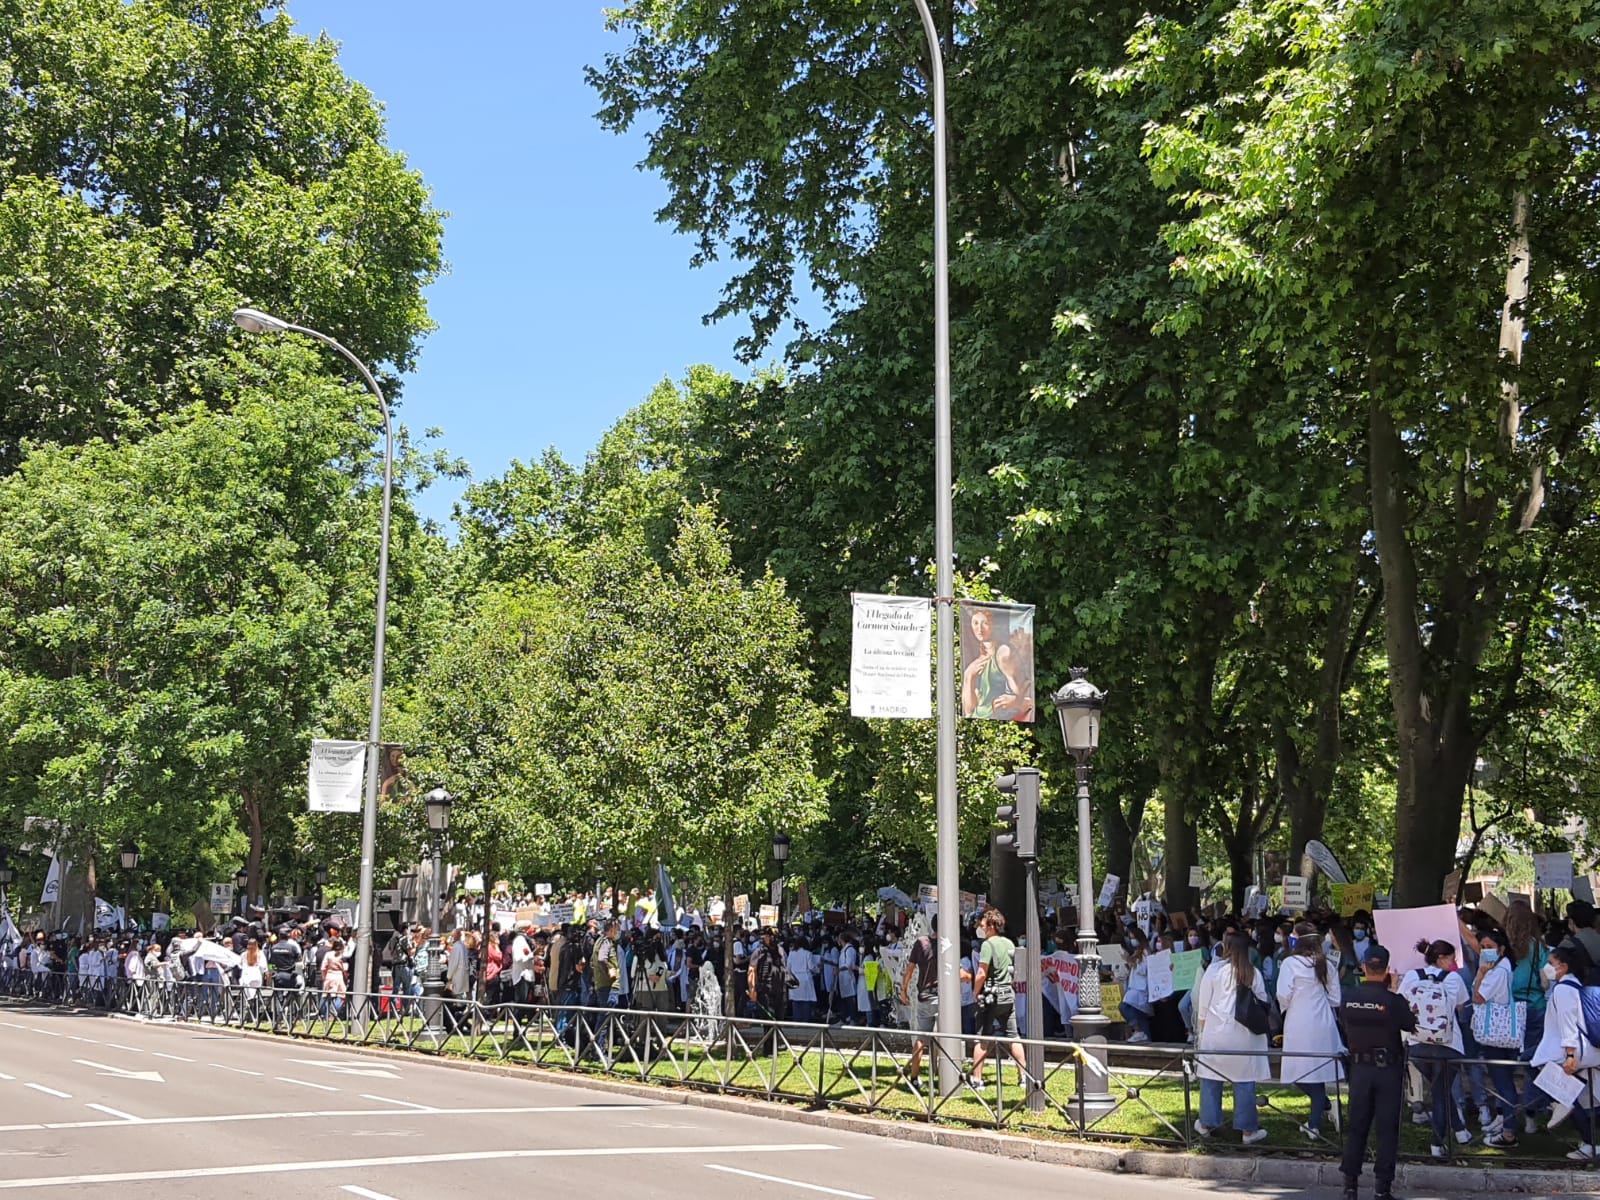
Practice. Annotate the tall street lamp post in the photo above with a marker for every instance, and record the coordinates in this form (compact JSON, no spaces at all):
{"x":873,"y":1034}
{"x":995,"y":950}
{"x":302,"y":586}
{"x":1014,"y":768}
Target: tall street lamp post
{"x":780,"y":855}
{"x":254,"y":320}
{"x":241,"y":881}
{"x":1078,"y":705}
{"x":437,"y":803}
{"x":946,"y":816}
{"x":130,"y":864}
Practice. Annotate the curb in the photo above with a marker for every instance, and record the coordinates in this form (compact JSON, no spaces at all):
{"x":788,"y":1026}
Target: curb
{"x":1163,"y":1164}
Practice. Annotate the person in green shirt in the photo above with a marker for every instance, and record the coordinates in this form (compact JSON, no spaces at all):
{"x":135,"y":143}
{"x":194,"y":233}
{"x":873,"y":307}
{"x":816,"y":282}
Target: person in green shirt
{"x":993,"y":984}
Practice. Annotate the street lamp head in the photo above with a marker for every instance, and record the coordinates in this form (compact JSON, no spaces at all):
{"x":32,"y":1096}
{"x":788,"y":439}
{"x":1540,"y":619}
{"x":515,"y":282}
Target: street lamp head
{"x":1078,"y":706}
{"x":130,"y":856}
{"x":780,"y":847}
{"x":253,"y":320}
{"x":241,"y":878}
{"x":8,"y":873}
{"x":438,"y":804}
{"x":321,"y":873}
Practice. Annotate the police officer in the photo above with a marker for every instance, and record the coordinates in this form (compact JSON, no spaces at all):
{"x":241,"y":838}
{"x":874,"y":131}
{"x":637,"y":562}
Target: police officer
{"x":1374,"y":1017}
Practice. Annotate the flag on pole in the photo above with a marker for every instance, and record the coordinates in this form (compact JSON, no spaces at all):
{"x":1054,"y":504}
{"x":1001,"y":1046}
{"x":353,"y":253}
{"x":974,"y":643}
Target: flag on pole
{"x":666,"y":910}
{"x":52,"y":881}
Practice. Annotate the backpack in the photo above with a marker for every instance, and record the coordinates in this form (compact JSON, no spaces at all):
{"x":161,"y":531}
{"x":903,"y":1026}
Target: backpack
{"x":1431,"y":1003}
{"x":1589,"y":1001}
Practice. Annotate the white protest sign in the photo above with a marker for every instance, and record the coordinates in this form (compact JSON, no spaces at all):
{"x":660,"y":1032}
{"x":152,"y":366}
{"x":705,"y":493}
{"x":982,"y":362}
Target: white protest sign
{"x":1108,"y":890}
{"x":1551,"y":871}
{"x":221,"y":897}
{"x":1197,"y":877}
{"x":1160,"y":971}
{"x":337,"y":774}
{"x":541,"y":889}
{"x":769,"y":916}
{"x":890,"y":656}
{"x":1400,"y":929}
{"x":561,"y":914}
{"x":1296,"y":892}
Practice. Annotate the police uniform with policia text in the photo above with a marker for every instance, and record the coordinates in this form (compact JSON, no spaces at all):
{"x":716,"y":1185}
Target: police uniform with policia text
{"x":1374,"y":1017}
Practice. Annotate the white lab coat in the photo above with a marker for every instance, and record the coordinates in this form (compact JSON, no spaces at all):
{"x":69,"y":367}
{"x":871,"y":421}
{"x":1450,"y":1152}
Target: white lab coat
{"x":1245,"y":1059}
{"x":1308,"y":1022}
{"x":1563,"y":1027}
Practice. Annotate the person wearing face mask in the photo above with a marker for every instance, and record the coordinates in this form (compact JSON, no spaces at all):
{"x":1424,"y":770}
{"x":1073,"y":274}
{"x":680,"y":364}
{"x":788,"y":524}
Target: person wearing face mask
{"x":1565,"y":1042}
{"x":1436,"y":993}
{"x":1491,"y":991}
{"x":1136,"y":1007}
{"x":1362,"y":937}
{"x":1309,"y":993}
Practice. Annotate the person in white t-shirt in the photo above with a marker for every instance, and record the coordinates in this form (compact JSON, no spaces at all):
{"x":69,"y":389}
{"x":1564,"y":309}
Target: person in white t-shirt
{"x":803,"y":996}
{"x":849,"y":975}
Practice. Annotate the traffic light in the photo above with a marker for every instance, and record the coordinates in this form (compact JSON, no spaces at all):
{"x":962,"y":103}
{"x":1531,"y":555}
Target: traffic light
{"x":1021,"y":819}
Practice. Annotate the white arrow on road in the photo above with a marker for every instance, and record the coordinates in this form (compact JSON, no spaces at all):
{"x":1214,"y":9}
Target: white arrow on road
{"x":121,"y":1072}
{"x":340,"y":1067}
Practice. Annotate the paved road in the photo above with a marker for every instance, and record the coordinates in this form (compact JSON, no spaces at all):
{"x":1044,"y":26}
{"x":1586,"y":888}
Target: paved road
{"x":98,"y":1106}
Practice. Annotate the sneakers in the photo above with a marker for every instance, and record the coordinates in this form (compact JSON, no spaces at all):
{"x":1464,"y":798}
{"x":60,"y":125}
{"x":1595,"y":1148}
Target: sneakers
{"x":1254,"y":1136}
{"x":1203,"y":1130}
{"x":1136,"y":1038}
{"x":1436,"y":1151}
{"x":1312,"y":1135}
{"x":1492,"y":1128}
{"x":1529,"y":1125}
{"x":1464,"y":1137}
{"x":1558,"y":1114}
{"x":1584,"y":1153}
{"x":1484,"y":1119}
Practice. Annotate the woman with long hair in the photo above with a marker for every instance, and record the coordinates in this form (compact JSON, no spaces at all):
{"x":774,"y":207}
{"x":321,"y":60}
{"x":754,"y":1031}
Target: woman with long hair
{"x":1491,"y":989}
{"x":1309,"y":993}
{"x":1529,"y":979}
{"x":1565,"y":1042}
{"x":1135,"y":1007}
{"x":1229,"y":1052}
{"x":1435,"y":992}
{"x":334,"y":980}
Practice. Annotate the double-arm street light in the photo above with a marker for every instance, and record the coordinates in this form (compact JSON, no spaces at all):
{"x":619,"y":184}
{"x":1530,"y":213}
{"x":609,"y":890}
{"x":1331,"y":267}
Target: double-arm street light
{"x":1078,"y":705}
{"x":255,"y":321}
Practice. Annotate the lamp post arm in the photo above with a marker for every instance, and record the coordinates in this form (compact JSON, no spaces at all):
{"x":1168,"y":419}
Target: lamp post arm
{"x":362,"y":958}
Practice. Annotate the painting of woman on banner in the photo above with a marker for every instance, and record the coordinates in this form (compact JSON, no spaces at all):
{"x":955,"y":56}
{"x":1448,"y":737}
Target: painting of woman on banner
{"x":997,"y":658}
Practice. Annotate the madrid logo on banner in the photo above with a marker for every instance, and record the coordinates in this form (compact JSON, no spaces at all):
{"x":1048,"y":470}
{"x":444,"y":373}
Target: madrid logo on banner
{"x":338,"y":771}
{"x":890,"y":653}
{"x":997,"y":661}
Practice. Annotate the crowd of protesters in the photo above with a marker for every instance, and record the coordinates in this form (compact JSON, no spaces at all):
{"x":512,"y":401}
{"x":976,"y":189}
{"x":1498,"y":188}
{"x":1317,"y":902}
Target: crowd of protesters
{"x":505,"y":950}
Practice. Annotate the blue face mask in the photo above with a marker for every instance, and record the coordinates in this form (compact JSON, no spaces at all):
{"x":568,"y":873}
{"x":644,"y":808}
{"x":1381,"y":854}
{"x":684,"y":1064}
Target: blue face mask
{"x":1361,"y":935}
{"x":1489,"y":956}
{"x":1293,"y":941}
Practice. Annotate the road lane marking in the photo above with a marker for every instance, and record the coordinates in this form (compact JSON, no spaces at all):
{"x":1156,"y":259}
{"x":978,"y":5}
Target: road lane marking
{"x":406,"y":1160}
{"x":361,"y":1191}
{"x":320,"y":1114}
{"x":121,"y":1072}
{"x":49,"y":1091}
{"x":392,"y":1100}
{"x":235,"y":1070}
{"x":173,"y":1057}
{"x":115,"y":1112}
{"x":321,"y":1087}
{"x":120,"y":1046}
{"x":74,"y":1037}
{"x":3,"y":1075}
{"x":375,"y":1070}
{"x":810,"y":1187}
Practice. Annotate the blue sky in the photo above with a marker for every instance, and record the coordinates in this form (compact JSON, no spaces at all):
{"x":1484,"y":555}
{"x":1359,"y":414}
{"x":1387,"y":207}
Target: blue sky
{"x":566,"y":301}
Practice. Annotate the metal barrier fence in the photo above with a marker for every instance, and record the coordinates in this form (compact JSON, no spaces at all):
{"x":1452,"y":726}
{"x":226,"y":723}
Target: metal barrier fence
{"x":1149,"y":1094}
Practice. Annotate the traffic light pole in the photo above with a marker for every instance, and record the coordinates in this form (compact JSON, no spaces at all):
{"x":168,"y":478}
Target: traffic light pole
{"x":1034,"y":1023}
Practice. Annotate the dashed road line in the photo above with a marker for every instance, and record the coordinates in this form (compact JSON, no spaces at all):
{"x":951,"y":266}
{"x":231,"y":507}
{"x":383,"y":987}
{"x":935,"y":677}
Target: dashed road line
{"x":810,"y":1187}
{"x":321,"y":1087}
{"x":49,"y":1091}
{"x":406,"y":1103}
{"x":173,"y":1057}
{"x":114,"y":1112}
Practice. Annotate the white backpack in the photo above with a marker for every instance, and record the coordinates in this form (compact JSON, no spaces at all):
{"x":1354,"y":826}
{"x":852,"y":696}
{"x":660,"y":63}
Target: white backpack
{"x":1430,"y":1000}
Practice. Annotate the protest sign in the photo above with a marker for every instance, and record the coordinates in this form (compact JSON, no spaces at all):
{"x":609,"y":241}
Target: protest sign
{"x":1553,"y":871}
{"x":525,"y":914}
{"x":1197,"y":877}
{"x":1108,"y":890}
{"x":1493,"y":905}
{"x":1451,"y":891}
{"x":1296,"y":892}
{"x":541,"y":889}
{"x":889,"y":656}
{"x":1351,"y":898}
{"x":769,"y":916}
{"x":1186,"y":968}
{"x":505,"y":919}
{"x":1583,"y":887}
{"x":221,"y":897}
{"x":1159,"y":967}
{"x":1399,"y":930}
{"x":969,"y":903}
{"x":1111,"y":1000}
{"x":926,"y":892}
{"x":741,"y":904}
{"x":561,"y":914}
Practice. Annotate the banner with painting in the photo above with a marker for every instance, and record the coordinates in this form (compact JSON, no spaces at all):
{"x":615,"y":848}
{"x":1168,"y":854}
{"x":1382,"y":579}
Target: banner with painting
{"x":997,"y":661}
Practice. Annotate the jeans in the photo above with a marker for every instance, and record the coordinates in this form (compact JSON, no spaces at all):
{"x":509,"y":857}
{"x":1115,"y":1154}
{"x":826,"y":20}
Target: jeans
{"x":802,"y":1010}
{"x":1245,"y":1118}
{"x":1186,"y":1011}
{"x":1441,"y":1073}
{"x":969,"y":1019}
{"x":1502,"y":1077}
{"x":1319,"y":1102}
{"x":1138,"y":1021}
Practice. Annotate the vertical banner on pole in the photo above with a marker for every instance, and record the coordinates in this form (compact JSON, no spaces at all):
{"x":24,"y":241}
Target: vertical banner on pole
{"x":890,"y":652}
{"x":997,"y":661}
{"x":337,"y":776}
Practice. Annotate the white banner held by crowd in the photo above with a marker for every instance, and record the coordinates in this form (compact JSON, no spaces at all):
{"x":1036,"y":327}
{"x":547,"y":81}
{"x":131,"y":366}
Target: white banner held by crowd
{"x":337,"y":775}
{"x":890,"y":656}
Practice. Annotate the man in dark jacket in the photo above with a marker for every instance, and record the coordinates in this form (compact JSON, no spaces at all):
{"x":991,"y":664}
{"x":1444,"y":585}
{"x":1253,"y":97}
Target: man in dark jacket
{"x":1374,"y":1017}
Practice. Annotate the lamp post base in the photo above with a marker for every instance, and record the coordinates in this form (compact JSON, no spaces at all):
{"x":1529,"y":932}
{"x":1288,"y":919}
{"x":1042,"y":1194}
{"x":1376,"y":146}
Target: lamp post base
{"x":433,"y":1006}
{"x":1093,"y":1099}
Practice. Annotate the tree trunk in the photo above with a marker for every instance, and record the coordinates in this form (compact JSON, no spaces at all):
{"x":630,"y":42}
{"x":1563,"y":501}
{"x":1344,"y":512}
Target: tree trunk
{"x":253,"y":823}
{"x":1182,"y":843}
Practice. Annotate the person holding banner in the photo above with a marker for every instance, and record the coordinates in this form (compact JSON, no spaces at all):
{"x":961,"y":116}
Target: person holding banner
{"x":1309,"y":993}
